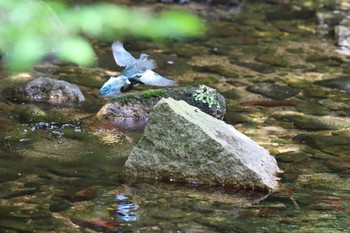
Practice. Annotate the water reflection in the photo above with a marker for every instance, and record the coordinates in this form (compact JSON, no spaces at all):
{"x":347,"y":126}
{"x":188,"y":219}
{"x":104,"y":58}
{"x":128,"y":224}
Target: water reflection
{"x":126,"y":210}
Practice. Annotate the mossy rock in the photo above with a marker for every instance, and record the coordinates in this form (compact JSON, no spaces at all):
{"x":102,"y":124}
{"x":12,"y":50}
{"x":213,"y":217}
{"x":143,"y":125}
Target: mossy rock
{"x":32,"y":113}
{"x":139,"y":104}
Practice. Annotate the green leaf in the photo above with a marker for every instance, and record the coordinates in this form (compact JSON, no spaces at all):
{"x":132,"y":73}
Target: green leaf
{"x":30,"y":29}
{"x":26,"y":52}
{"x":76,"y":50}
{"x":178,"y":24}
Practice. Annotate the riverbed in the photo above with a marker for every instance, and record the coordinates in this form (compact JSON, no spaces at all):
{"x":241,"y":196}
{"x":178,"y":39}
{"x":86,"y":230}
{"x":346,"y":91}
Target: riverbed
{"x":285,"y":86}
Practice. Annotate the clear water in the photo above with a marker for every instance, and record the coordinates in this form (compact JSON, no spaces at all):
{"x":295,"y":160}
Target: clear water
{"x":65,"y":173}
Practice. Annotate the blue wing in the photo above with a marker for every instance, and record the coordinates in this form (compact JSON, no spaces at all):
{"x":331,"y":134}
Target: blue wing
{"x":138,"y":68}
{"x":152,"y":78}
{"x":121,"y":56}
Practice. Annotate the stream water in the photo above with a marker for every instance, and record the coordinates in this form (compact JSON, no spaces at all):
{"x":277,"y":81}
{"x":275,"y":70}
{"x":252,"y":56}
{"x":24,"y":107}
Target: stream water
{"x":285,"y":85}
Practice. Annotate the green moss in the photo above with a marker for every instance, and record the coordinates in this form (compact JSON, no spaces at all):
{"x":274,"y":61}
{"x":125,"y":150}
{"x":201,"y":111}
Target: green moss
{"x":124,"y":99}
{"x":33,"y":113}
{"x":152,"y":93}
{"x":18,"y":132}
{"x":127,"y":98}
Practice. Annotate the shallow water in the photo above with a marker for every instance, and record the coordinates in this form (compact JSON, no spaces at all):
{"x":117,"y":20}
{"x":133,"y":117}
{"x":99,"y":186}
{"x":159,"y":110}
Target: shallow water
{"x":63,"y":172}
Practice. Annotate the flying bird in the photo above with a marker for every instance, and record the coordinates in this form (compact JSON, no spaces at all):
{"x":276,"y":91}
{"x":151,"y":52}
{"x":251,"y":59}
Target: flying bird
{"x":114,"y":85}
{"x":136,"y":71}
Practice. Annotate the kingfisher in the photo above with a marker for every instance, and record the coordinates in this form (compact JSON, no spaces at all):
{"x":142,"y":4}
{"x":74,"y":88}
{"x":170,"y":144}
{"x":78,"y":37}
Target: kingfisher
{"x":136,"y":71}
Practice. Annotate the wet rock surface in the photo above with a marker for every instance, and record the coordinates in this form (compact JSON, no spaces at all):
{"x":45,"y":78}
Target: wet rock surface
{"x":312,"y":108}
{"x":342,"y":83}
{"x":49,"y":90}
{"x":271,"y":60}
{"x":261,"y":68}
{"x":309,"y":122}
{"x":273,"y":91}
{"x":182,"y":143}
{"x":335,"y":144}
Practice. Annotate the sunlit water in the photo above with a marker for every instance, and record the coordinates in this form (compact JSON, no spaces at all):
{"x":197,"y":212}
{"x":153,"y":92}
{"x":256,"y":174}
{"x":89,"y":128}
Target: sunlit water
{"x":65,"y":173}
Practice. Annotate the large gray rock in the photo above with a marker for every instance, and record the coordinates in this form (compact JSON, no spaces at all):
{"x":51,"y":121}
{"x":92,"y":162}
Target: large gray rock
{"x":49,"y":90}
{"x":182,"y":143}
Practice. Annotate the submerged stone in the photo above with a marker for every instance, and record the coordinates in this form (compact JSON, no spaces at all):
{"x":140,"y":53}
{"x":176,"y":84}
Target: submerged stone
{"x":285,"y":13}
{"x":236,"y":118}
{"x":15,"y":225}
{"x":181,"y":143}
{"x":32,"y":113}
{"x":273,"y":90}
{"x":65,"y":150}
{"x":182,"y":50}
{"x":340,"y":164}
{"x":309,"y":122}
{"x":231,"y":94}
{"x":324,"y":60}
{"x":261,"y":68}
{"x":271,"y":59}
{"x":295,"y":50}
{"x":312,"y":107}
{"x":315,"y":91}
{"x":329,"y":181}
{"x":288,"y":26}
{"x":49,"y":90}
{"x":342,"y":83}
{"x":292,"y":157}
{"x":335,"y":145}
{"x":60,"y":206}
{"x":20,"y":193}
{"x":216,"y":69}
{"x":335,"y":104}
{"x":346,"y":68}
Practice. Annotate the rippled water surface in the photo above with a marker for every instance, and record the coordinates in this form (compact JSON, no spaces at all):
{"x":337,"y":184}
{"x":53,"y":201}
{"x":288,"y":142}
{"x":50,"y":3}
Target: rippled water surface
{"x":61,"y":170}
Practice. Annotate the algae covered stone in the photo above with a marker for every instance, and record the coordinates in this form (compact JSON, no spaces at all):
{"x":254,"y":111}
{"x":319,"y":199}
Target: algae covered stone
{"x":182,"y":143}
